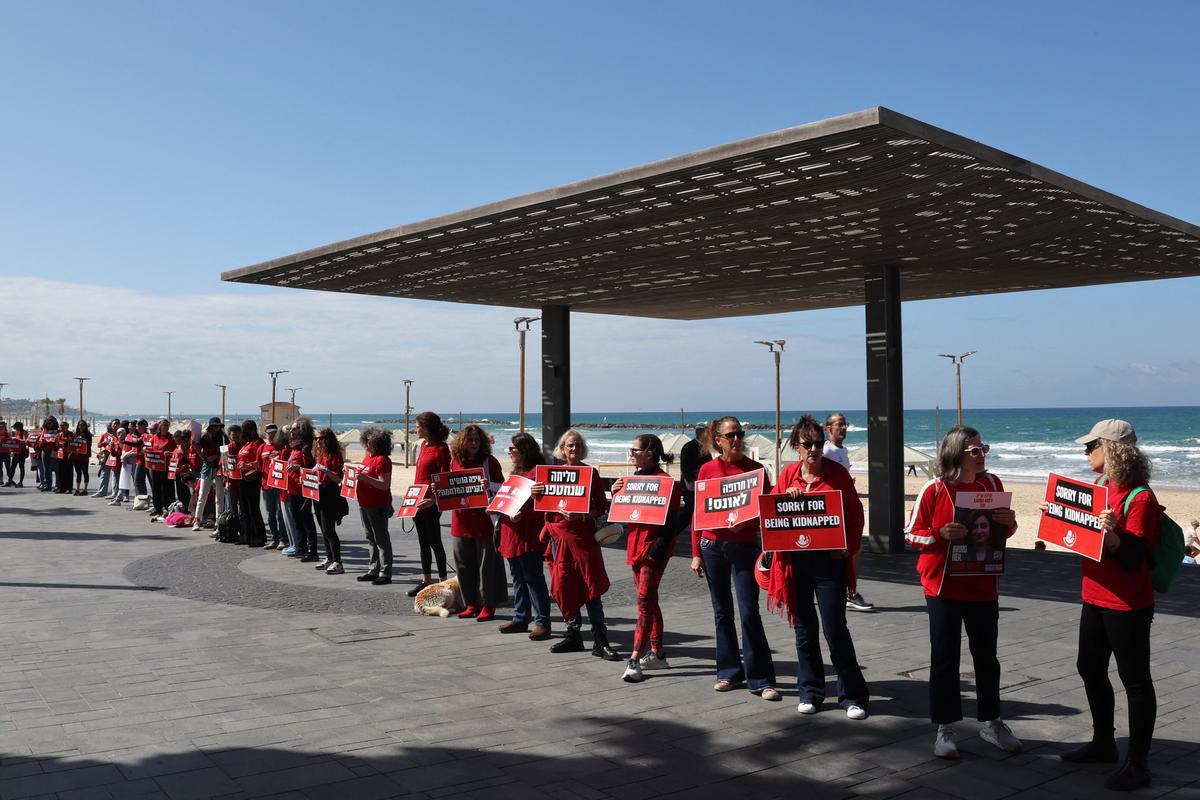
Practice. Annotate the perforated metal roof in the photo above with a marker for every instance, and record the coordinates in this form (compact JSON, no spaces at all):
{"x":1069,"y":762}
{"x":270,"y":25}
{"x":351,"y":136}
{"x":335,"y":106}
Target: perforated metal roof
{"x":780,"y":222}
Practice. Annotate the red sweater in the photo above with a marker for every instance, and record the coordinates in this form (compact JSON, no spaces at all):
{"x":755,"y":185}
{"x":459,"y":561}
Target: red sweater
{"x":475,"y":523}
{"x":433,"y":457}
{"x":380,"y":468}
{"x":933,"y":509}
{"x":835,"y":477}
{"x":748,"y":531}
{"x":1108,"y":584}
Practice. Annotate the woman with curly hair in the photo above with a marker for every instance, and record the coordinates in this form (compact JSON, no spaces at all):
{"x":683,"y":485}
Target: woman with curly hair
{"x":1118,"y":603}
{"x":480,"y":570}
{"x":374,"y":492}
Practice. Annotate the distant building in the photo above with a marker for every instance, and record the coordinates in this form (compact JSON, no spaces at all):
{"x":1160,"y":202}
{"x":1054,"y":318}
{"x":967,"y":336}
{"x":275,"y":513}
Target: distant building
{"x":285,"y":413}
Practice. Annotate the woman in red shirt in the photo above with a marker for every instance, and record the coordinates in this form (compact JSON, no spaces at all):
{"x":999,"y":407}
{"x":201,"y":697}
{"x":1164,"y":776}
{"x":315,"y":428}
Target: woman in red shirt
{"x":330,"y":459}
{"x":161,"y":448}
{"x":434,"y":457}
{"x":577,"y":575}
{"x":480,"y":570}
{"x":648,"y":550}
{"x":249,"y":488}
{"x":373,"y":488}
{"x":300,"y":441}
{"x":726,"y":556}
{"x":1118,"y":603}
{"x":520,"y":543}
{"x":797,"y":576}
{"x":81,"y":454}
{"x":18,"y":455}
{"x":955,"y":602}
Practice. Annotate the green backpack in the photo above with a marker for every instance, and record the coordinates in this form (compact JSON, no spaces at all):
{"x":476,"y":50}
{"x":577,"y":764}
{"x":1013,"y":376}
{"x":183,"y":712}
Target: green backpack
{"x":1168,"y":554}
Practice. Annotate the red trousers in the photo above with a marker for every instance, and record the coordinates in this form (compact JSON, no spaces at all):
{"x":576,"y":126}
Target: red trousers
{"x":646,"y":576}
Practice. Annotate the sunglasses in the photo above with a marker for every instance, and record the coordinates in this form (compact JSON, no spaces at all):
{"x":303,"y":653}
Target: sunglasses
{"x":978,"y":450}
{"x":633,"y":451}
{"x":806,"y":445}
{"x":1090,"y":446}
{"x":732,"y":435}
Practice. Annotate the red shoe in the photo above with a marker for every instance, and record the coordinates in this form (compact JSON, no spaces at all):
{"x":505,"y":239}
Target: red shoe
{"x":468,"y":612}
{"x":488,"y":612}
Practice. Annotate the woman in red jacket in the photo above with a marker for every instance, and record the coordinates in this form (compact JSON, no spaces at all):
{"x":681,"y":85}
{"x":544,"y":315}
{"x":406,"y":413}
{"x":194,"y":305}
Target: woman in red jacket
{"x":577,"y":575}
{"x":480,"y":570}
{"x":726,"y":556}
{"x":959,"y":601}
{"x":160,"y":450}
{"x":797,"y":576}
{"x":1118,"y":603}
{"x":648,"y":550}
{"x":249,"y":488}
{"x":434,"y":457}
{"x":520,"y":543}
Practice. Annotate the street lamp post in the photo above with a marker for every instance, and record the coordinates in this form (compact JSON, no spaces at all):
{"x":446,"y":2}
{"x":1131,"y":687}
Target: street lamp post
{"x":168,"y":394}
{"x":293,"y":391}
{"x":274,"y":378}
{"x":81,"y":380}
{"x":2,"y":385}
{"x":407,"y":411}
{"x":957,"y":360}
{"x":222,"y":387}
{"x":771,"y":345}
{"x":521,"y":331}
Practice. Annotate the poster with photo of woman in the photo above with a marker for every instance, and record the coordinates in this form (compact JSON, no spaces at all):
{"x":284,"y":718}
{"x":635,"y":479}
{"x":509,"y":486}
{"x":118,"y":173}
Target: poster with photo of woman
{"x":981,"y":551}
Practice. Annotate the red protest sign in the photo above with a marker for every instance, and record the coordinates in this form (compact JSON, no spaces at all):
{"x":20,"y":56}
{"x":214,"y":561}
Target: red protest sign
{"x":350,"y":481}
{"x":277,"y":474}
{"x":412,"y":498}
{"x":812,"y":521}
{"x":34,"y":438}
{"x":459,"y":490}
{"x":173,"y":466}
{"x":511,"y":496}
{"x":568,"y":489}
{"x":643,"y":500}
{"x":727,"y":502}
{"x":310,"y":484}
{"x":1071,"y":519}
{"x":79,"y":446}
{"x":10,"y":445}
{"x":156,"y":460}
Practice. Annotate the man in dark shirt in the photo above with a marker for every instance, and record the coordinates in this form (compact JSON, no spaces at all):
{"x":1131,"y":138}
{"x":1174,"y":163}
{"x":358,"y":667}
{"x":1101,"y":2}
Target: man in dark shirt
{"x":692,"y":456}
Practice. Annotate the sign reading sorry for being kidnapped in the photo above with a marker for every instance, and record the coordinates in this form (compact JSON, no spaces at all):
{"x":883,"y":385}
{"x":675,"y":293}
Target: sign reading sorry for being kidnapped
{"x":568,"y":489}
{"x":459,"y":489}
{"x":1072,"y":516}
{"x":726,"y":502}
{"x":812,"y":521}
{"x":643,"y":500}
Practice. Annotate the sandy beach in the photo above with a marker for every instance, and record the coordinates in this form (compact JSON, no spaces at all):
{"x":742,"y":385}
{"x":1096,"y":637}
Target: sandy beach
{"x":1181,"y":504}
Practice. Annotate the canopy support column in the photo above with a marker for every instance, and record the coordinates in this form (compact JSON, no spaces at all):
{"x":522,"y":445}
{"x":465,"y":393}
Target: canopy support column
{"x":885,"y":409}
{"x":556,"y":375}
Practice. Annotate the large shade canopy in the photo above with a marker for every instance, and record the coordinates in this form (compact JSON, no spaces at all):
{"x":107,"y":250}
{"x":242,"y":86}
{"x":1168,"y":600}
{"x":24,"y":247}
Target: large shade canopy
{"x":781,"y":222}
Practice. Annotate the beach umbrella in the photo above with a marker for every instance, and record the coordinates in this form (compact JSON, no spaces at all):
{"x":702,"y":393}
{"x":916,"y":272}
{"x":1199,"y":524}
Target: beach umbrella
{"x":350,"y":436}
{"x":912,"y":458}
{"x":674,"y":442}
{"x":764,"y":447}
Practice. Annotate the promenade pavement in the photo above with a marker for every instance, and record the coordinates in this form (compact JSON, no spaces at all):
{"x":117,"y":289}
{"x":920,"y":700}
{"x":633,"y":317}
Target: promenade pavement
{"x":142,"y":661}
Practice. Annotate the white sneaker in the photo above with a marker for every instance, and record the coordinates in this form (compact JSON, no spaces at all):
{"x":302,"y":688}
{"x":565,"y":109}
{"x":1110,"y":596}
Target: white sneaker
{"x":633,"y":672}
{"x":323,"y":564}
{"x":997,"y":734}
{"x":334,"y":569}
{"x":651,"y":661}
{"x":855,"y":711}
{"x":806,"y":707}
{"x":116,"y":502}
{"x":945,"y":744}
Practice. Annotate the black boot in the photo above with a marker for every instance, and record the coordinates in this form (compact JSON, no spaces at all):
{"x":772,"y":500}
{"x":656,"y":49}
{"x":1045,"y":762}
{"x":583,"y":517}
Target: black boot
{"x":572,"y":642}
{"x":1132,"y":775}
{"x":602,"y":649}
{"x":1094,"y":752}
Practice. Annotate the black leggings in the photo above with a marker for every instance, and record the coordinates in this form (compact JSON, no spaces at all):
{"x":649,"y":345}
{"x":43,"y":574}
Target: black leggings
{"x":1126,"y":635}
{"x":429,"y":536}
{"x":163,"y":490}
{"x":15,"y":462}
{"x":254,"y":532}
{"x":326,"y":509}
{"x":81,"y":473}
{"x":63,"y":481}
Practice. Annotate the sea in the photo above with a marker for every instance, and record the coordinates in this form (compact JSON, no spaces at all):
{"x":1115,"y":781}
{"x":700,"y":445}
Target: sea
{"x":1026,"y":443}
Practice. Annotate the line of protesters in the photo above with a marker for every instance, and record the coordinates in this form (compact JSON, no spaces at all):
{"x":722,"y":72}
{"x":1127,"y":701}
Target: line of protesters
{"x":809,"y":589}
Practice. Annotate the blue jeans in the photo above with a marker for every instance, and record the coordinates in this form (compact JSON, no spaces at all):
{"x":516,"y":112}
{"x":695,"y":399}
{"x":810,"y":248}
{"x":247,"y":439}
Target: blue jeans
{"x":529,"y":590}
{"x":274,"y":514}
{"x":139,"y":478}
{"x":49,"y":469}
{"x":105,"y":478}
{"x":824,"y":576}
{"x":728,"y":563}
{"x":595,"y":612}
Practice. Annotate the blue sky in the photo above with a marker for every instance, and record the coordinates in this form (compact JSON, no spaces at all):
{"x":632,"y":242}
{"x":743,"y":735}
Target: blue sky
{"x":147,"y":146}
